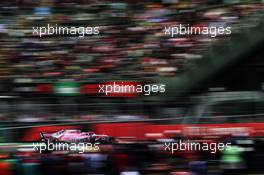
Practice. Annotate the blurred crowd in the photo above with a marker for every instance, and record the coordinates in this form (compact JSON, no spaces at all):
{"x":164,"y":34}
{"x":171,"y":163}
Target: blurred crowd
{"x":131,"y":44}
{"x":243,"y":158}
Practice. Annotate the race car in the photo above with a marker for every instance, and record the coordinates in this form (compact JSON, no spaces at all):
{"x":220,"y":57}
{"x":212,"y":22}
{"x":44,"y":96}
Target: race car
{"x":75,"y":136}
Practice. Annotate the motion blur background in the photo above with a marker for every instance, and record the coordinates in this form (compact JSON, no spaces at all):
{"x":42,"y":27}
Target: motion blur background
{"x":213,"y":85}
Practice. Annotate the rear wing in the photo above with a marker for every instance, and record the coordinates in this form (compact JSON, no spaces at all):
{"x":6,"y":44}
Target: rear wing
{"x":44,"y":135}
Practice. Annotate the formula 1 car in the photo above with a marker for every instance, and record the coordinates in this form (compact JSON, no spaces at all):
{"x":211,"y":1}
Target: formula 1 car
{"x":76,"y":136}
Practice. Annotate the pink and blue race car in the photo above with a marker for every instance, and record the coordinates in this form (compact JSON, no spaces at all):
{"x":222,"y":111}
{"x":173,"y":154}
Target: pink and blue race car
{"x":75,"y":136}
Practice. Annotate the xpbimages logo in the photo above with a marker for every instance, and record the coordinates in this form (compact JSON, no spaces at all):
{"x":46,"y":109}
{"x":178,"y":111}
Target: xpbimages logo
{"x":62,"y":30}
{"x":132,"y":88}
{"x":187,"y":145}
{"x":212,"y":31}
{"x":62,"y":146}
